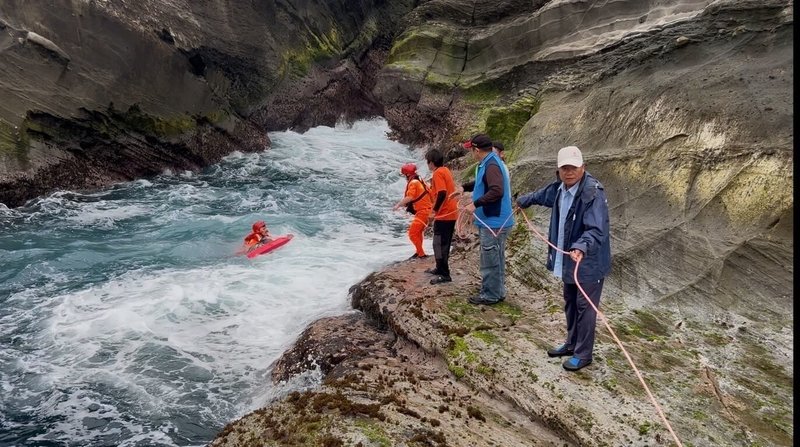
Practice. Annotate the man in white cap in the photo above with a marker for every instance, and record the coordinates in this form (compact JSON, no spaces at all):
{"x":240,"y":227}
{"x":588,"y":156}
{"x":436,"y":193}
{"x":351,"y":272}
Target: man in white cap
{"x":579,"y":225}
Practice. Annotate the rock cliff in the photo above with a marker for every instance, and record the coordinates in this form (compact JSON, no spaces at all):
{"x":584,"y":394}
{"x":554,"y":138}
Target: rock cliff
{"x":95,"y":92}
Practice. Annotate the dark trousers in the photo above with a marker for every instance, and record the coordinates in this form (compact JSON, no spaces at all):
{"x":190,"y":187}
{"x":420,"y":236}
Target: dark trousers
{"x":581,"y":318}
{"x":442,"y":237}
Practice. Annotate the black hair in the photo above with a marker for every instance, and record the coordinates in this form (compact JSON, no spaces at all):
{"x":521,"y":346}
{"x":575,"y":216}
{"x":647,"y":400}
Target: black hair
{"x":435,"y":156}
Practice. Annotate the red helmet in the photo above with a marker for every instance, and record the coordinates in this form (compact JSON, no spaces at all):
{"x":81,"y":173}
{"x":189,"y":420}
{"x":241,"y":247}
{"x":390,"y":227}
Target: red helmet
{"x":408,"y":169}
{"x":258,"y":226}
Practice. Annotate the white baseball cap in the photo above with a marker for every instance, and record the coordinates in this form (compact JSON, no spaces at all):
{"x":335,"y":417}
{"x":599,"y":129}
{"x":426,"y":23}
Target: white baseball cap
{"x":571,"y":156}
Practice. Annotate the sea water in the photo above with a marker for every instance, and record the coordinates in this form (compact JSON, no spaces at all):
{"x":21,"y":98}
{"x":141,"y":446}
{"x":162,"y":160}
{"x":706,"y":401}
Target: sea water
{"x":127,"y":319}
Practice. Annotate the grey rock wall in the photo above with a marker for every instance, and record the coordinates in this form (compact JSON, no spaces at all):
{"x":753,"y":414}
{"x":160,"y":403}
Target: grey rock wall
{"x":203,"y":78}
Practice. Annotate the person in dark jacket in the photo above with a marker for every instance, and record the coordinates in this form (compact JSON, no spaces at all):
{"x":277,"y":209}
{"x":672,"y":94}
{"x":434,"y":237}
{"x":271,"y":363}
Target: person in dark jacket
{"x":579,"y":224}
{"x":500,"y":150}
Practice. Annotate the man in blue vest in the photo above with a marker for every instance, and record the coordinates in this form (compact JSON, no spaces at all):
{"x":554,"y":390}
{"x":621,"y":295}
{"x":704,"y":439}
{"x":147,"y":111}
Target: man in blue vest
{"x":491,"y":203}
{"x":579,"y":225}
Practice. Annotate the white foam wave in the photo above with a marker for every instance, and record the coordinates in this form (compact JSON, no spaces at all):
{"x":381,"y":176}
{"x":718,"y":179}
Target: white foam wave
{"x":188,"y":331}
{"x":105,"y":214}
{"x":6,"y":211}
{"x":144,"y":183}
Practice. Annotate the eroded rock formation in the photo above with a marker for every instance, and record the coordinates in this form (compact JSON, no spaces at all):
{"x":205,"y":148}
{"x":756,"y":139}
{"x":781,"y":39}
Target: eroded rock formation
{"x":96,"y":92}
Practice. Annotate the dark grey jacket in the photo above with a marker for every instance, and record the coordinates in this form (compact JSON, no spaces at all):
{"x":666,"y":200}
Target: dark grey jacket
{"x":586,"y":228}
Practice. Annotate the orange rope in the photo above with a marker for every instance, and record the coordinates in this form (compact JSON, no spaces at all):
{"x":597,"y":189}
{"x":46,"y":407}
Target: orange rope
{"x":613,"y":334}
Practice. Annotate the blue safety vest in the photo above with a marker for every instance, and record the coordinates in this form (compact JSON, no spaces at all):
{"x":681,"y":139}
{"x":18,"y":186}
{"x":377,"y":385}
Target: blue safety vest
{"x":497,"y":214}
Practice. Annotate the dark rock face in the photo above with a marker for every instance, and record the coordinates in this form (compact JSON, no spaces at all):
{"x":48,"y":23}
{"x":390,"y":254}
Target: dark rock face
{"x":99,"y":148}
{"x":191,"y":72}
{"x":330,"y":341}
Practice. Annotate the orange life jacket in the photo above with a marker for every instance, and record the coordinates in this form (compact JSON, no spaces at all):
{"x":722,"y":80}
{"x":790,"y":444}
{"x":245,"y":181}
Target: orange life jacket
{"x":252,"y":239}
{"x":417,"y":191}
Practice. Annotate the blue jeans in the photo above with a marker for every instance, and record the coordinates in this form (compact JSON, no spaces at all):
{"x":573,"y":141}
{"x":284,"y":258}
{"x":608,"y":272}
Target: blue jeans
{"x":493,"y":263}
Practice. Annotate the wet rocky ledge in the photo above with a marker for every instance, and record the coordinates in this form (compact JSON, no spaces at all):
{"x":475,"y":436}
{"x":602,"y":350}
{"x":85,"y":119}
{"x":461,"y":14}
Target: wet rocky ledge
{"x":416,"y":365}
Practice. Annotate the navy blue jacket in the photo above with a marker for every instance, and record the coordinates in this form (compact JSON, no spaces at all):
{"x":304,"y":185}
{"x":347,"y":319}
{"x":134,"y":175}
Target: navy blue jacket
{"x":586,"y":228}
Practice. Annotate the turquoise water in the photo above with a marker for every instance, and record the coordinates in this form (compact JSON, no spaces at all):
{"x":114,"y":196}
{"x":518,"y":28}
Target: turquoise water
{"x":126,"y":320}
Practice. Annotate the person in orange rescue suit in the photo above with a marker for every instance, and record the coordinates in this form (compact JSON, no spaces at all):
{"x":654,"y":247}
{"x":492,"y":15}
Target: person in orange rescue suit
{"x":260,"y":235}
{"x":417,"y":201}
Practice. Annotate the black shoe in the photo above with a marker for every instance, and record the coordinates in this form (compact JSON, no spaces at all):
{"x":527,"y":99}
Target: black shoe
{"x":478,"y":300}
{"x":560,"y":351}
{"x":433,"y":271}
{"x":441,"y":279}
{"x":574,"y":364}
{"x":416,"y":256}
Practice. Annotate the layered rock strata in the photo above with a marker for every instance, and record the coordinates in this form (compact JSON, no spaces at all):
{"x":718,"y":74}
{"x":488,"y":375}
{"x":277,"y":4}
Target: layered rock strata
{"x":98,"y":92}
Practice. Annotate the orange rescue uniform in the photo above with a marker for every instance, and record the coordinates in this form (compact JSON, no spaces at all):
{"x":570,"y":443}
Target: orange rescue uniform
{"x":417,"y":192}
{"x":254,"y":239}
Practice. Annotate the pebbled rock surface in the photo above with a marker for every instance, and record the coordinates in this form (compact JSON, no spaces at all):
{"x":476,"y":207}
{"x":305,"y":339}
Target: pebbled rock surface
{"x":421,"y":366}
{"x":388,"y":375}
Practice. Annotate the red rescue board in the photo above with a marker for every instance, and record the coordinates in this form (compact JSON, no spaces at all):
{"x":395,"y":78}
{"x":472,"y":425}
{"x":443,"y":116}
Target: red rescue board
{"x":278,"y":242}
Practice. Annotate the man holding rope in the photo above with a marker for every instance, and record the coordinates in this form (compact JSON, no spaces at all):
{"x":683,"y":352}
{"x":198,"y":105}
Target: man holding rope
{"x":579,"y":225}
{"x":492,"y":208}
